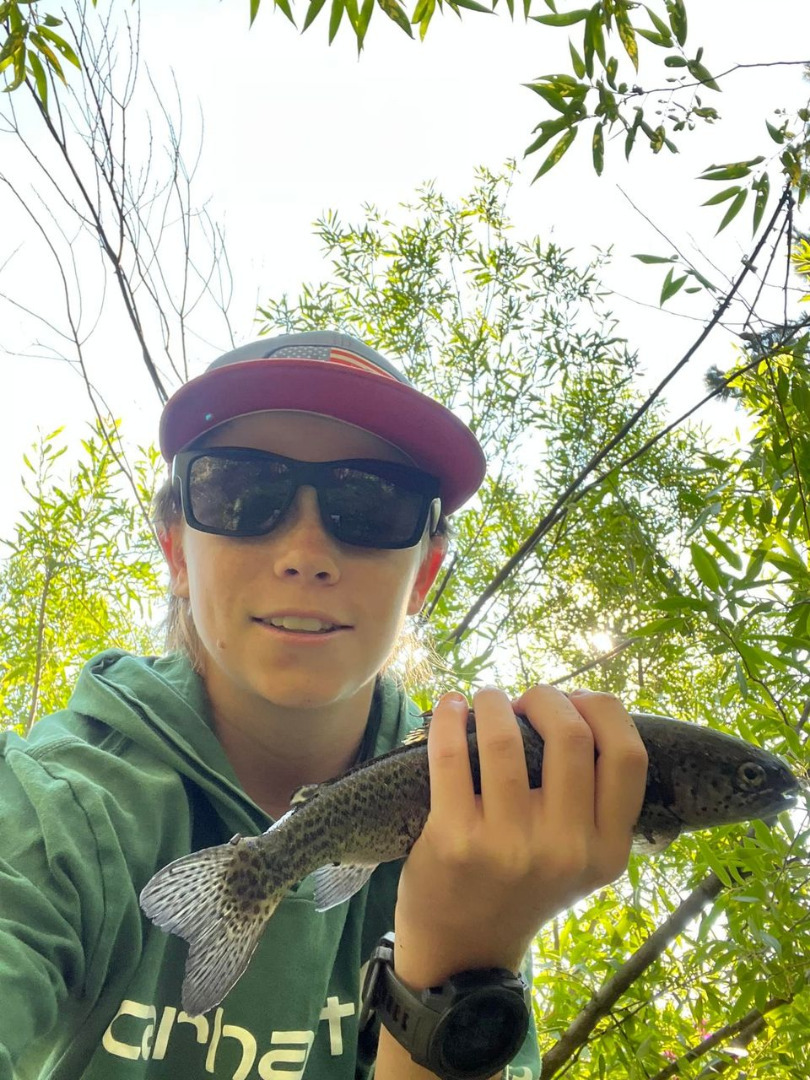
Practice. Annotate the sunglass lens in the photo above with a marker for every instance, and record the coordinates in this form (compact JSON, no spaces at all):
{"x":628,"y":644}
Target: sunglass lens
{"x":371,"y":511}
{"x":237,"y":496}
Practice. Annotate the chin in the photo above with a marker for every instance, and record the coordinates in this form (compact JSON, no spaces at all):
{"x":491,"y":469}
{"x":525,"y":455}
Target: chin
{"x":315,"y":693}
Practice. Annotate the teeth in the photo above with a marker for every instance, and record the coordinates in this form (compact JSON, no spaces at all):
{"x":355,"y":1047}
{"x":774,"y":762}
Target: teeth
{"x":298,"y":622}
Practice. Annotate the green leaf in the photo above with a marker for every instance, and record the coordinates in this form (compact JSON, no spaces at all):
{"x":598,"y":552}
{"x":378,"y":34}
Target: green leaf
{"x":312,"y":12}
{"x":254,"y":10}
{"x":548,"y":129}
{"x":675,"y":61}
{"x":654,"y":37}
{"x":728,"y":553}
{"x":595,"y":35}
{"x":726,"y":193}
{"x":762,"y":186}
{"x":735,"y":170}
{"x":557,"y":152}
{"x":677,"y":19}
{"x":598,"y":148}
{"x":472,"y":5}
{"x":11,"y":45}
{"x":338,"y":7}
{"x":777,"y":134}
{"x":40,"y":78}
{"x":659,"y":626}
{"x":656,"y":258}
{"x":284,"y":7}
{"x":60,"y":44}
{"x":698,"y":71}
{"x":657,"y":138}
{"x":397,"y":14}
{"x":707,"y":567}
{"x":627,"y":36}
{"x":552,"y":97}
{"x":43,"y":47}
{"x":659,"y":25}
{"x":671,"y":286}
{"x":737,"y":204}
{"x":363,"y":19}
{"x":682,"y":603}
{"x":566,"y":18}
{"x":577,"y":63}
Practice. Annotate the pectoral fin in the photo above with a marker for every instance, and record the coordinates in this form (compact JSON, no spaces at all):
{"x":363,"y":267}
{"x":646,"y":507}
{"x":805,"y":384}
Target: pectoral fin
{"x":338,"y":882}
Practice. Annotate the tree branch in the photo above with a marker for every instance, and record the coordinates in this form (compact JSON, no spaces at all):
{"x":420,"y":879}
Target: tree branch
{"x":750,"y":1024}
{"x":539,"y":531}
{"x":605,"y":998}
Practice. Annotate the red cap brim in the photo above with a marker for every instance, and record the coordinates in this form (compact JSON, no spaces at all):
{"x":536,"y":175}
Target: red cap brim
{"x":426,"y":431}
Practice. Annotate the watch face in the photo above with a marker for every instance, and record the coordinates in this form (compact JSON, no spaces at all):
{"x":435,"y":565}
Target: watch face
{"x":483,"y":1032}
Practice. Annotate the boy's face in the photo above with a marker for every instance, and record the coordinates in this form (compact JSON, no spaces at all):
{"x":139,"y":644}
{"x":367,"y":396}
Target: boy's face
{"x":235,"y":585}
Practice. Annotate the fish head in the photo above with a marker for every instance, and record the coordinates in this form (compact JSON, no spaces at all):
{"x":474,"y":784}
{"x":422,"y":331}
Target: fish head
{"x":726,"y":780}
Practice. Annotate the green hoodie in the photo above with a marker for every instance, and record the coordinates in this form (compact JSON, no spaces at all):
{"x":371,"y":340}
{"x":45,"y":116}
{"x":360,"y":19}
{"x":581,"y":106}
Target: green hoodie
{"x":129,"y":777}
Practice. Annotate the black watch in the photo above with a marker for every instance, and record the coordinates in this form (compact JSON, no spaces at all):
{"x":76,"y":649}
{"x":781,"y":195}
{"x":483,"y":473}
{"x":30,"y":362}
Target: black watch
{"x":466,"y":1029}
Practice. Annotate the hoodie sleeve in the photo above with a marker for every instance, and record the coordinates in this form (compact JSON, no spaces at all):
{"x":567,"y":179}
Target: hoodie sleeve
{"x":54,"y":900}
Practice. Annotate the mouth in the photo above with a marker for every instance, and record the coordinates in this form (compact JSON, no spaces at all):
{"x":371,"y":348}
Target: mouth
{"x":301,"y":625}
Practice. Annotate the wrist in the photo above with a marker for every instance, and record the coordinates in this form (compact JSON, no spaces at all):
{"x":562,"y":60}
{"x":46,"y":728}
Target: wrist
{"x":465,"y":1027}
{"x":424,"y":959}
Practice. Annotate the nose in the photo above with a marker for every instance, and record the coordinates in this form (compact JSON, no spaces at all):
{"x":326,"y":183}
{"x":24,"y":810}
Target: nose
{"x":303,"y":547}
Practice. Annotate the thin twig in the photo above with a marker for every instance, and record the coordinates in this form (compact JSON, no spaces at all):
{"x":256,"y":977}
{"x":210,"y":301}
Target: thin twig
{"x":539,"y":531}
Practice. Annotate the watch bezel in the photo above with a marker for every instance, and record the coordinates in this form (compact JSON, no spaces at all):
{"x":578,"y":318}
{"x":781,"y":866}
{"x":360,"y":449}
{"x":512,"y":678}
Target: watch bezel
{"x":420,"y":1021}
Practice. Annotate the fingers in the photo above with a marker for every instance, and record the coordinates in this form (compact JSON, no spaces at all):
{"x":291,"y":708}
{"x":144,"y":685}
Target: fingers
{"x":452,"y":797}
{"x":621,"y":768}
{"x":569,"y":778}
{"x":594,"y":768}
{"x":504,"y":775}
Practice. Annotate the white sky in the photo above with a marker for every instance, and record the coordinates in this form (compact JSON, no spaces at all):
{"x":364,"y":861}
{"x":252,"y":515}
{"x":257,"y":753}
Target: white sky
{"x":293,"y":127}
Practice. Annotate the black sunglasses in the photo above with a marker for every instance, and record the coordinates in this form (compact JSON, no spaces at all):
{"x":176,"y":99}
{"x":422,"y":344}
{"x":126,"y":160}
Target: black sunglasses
{"x":239,"y":492}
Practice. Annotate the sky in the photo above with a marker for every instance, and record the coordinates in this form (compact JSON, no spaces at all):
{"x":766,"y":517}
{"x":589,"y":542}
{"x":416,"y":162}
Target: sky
{"x":293,"y":127}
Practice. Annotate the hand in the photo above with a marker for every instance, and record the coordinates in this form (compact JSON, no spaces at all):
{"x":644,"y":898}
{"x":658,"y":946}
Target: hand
{"x":489,"y":870}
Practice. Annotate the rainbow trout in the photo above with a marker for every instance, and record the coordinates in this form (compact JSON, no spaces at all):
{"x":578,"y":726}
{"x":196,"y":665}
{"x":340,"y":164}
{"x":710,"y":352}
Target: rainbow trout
{"x":220,"y":899}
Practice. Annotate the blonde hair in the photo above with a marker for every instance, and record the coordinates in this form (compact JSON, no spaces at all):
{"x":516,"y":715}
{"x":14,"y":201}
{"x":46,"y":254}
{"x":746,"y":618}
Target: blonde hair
{"x":413,"y":658}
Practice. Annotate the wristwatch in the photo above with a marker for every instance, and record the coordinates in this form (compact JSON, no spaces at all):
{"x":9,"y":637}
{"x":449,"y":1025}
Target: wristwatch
{"x":466,"y":1029}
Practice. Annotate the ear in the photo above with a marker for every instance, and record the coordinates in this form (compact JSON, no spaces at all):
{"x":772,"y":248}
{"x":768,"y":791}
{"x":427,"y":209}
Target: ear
{"x":426,"y":575}
{"x":171,"y":543}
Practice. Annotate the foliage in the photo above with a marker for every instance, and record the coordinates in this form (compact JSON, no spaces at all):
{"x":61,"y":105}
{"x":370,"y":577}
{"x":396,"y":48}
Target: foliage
{"x":680,"y":581}
{"x":678,"y":578}
{"x":600,"y":93}
{"x":32,"y":47}
{"x":81,"y":573}
{"x":518,"y":342}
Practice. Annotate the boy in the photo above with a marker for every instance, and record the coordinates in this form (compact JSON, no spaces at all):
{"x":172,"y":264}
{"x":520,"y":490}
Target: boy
{"x":304,"y":521}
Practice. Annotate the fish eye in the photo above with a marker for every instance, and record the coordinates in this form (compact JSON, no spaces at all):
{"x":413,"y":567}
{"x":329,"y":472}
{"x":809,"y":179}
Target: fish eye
{"x":751,"y":775}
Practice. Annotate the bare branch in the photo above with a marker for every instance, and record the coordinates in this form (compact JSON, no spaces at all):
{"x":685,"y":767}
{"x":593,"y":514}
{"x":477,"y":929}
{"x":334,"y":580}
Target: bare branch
{"x":539,"y":531}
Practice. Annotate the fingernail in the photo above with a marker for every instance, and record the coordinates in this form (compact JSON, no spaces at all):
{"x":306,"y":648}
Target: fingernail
{"x":453,"y":697}
{"x":578,"y":692}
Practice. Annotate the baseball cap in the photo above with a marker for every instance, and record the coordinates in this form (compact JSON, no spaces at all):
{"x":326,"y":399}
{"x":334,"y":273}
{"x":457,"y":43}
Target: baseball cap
{"x":333,"y":375}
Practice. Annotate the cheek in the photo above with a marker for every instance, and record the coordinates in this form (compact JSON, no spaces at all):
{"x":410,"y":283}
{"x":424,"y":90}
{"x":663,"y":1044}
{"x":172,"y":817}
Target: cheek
{"x":390,"y":588}
{"x":211,"y":576}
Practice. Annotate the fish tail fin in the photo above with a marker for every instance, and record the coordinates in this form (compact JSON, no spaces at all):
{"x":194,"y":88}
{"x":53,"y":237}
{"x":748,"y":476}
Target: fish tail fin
{"x":219,"y":900}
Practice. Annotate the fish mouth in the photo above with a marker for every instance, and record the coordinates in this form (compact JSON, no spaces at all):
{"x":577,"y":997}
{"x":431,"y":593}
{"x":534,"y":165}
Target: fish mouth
{"x":786,"y":800}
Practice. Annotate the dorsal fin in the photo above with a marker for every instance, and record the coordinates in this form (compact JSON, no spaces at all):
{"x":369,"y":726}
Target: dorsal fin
{"x":417,"y":736}
{"x":304,"y":793}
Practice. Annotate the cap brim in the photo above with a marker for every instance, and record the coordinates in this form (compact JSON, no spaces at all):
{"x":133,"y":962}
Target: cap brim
{"x":426,"y":431}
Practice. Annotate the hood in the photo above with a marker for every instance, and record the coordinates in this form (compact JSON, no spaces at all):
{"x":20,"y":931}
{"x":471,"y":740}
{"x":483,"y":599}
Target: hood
{"x":160,"y":704}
